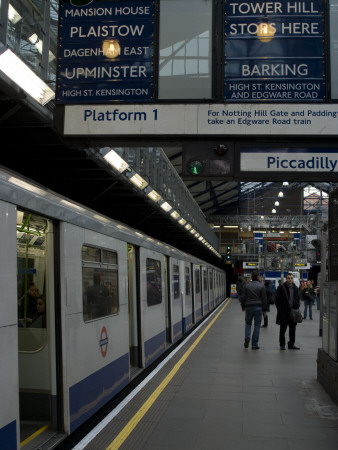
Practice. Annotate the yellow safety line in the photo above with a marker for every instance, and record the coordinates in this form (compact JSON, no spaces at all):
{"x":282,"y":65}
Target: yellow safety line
{"x":122,"y":436}
{"x":34,"y":435}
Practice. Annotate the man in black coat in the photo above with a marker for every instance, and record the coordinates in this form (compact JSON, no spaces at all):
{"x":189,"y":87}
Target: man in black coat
{"x":287,"y":297}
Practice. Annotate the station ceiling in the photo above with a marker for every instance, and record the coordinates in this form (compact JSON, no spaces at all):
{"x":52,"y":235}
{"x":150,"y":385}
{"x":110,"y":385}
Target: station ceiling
{"x":32,"y":147}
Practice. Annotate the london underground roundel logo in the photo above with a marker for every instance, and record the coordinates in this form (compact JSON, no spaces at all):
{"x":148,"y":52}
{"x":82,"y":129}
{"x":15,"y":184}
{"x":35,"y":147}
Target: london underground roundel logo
{"x":103,"y":341}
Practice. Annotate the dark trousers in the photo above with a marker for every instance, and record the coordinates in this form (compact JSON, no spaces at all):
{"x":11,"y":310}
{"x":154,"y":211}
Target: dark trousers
{"x":292,"y":333}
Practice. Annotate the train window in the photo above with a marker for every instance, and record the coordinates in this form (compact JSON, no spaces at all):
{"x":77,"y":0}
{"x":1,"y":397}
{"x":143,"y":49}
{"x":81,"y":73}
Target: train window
{"x":187,"y":281}
{"x":31,"y":281}
{"x":91,"y":254}
{"x":154,"y":282}
{"x":176,"y":278}
{"x":210,"y":280}
{"x":197,"y":281}
{"x":100,"y":283}
{"x":205,"y":281}
{"x":109,"y":257}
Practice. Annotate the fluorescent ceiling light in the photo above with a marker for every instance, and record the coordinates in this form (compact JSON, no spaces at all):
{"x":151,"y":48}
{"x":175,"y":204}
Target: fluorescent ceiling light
{"x":153,"y":195}
{"x":175,"y":215}
{"x":19,"y":217}
{"x":138,"y":181}
{"x":23,"y":76}
{"x":116,"y":161}
{"x":182,"y":221}
{"x":230,"y":226}
{"x":188,"y":226}
{"x":13,"y":15}
{"x":166,"y":206}
{"x":34,"y":39}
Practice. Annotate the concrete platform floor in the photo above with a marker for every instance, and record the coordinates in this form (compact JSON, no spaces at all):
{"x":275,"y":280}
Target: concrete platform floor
{"x":226,"y":397}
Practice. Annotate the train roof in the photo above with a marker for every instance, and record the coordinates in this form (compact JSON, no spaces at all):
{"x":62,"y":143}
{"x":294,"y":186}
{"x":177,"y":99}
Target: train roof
{"x":29,"y":195}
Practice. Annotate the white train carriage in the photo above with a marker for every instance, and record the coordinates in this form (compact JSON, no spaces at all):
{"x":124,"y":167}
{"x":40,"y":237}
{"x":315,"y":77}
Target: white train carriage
{"x":108,"y":302}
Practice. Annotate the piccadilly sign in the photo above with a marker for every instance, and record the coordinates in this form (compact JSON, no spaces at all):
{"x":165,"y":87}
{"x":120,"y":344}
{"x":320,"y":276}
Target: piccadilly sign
{"x":274,"y":50}
{"x":106,"y":52}
{"x":290,"y":160}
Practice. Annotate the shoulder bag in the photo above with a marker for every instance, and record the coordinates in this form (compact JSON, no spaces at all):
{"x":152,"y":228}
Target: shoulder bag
{"x":296,"y":316}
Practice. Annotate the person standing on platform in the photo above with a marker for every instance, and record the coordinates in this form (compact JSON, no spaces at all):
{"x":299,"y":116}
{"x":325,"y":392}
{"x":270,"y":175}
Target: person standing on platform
{"x":308,"y":298}
{"x":239,"y":287}
{"x":287,"y":297}
{"x":269,"y":301}
{"x":253,"y":301}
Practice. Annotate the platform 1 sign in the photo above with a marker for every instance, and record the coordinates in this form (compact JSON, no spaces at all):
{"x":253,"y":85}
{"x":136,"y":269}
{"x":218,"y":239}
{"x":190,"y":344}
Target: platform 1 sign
{"x":274,"y":50}
{"x":245,"y":119}
{"x":106,"y":51}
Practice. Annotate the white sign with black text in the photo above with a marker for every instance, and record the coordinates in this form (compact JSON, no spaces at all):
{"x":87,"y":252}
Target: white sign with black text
{"x":203,"y":119}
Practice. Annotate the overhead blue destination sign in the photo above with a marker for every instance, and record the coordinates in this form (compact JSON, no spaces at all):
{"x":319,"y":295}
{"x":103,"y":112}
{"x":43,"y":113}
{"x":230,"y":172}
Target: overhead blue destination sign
{"x":274,"y":51}
{"x":106,"y":51}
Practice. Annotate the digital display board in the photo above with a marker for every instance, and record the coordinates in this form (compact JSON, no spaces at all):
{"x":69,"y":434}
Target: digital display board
{"x":106,"y":51}
{"x":274,"y":51}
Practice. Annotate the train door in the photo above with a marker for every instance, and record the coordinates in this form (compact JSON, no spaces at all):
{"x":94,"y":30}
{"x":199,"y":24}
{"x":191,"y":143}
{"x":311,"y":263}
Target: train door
{"x":175,"y":299}
{"x":134,"y":311}
{"x":211,"y":290}
{"x":188,"y":299}
{"x":168,"y":329}
{"x":205,"y":290}
{"x":197,"y":292}
{"x":153,"y":305}
{"x":36,"y":326}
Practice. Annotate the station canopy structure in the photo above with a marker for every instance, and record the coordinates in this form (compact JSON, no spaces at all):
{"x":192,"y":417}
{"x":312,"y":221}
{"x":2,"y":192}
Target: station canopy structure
{"x":78,"y":170}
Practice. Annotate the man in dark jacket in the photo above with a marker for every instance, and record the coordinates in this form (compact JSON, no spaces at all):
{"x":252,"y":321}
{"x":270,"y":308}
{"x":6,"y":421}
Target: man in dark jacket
{"x":253,"y":301}
{"x":287,"y":297}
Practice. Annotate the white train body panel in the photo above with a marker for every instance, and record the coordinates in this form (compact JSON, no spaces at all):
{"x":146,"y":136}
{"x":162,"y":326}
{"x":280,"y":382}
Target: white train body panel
{"x":153,"y":308}
{"x":96,"y":352}
{"x":9,"y":380}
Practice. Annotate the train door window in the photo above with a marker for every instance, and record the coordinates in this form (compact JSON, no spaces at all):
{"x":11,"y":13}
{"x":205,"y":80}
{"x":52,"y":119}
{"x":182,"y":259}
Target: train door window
{"x":35,"y":306}
{"x":176,"y":280}
{"x":154,"y":282}
{"x":187,"y":281}
{"x":99,"y":282}
{"x":168,"y":328}
{"x":205,"y":286}
{"x":31,"y":260}
{"x":205,"y":283}
{"x":134,"y":313}
{"x":197,"y":281}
